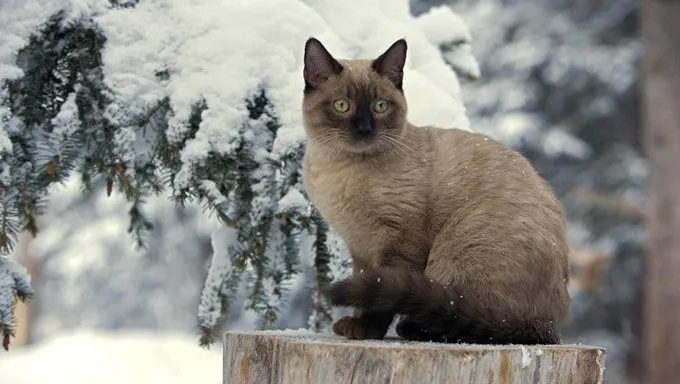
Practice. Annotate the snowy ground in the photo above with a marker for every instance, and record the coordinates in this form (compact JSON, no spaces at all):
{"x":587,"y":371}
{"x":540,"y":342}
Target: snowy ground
{"x":113,"y":358}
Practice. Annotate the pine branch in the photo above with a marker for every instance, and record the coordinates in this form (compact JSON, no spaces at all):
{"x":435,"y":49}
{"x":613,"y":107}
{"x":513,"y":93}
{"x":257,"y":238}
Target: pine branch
{"x":321,"y":316}
{"x":63,"y":117}
{"x":209,"y":328}
{"x":14,"y":287}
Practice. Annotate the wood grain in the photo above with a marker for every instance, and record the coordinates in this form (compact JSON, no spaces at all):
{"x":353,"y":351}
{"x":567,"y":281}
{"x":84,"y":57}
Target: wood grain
{"x":308,"y":358}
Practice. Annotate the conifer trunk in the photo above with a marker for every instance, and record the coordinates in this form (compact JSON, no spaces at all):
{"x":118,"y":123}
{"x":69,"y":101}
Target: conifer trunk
{"x":661,"y":120}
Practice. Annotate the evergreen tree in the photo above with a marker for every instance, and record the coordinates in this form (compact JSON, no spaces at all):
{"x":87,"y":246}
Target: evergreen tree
{"x":88,"y":275}
{"x":201,"y":102}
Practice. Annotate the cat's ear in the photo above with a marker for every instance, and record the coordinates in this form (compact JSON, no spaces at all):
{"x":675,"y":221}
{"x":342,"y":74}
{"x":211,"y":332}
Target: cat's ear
{"x":319,"y":64}
{"x":391,"y":63}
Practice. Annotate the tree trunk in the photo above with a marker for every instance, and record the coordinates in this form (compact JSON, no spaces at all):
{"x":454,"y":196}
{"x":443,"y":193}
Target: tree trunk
{"x":661,"y":120}
{"x":307,"y":358}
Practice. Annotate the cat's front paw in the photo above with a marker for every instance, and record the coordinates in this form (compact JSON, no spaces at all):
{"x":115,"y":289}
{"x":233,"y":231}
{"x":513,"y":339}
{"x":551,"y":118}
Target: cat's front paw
{"x":358,"y":328}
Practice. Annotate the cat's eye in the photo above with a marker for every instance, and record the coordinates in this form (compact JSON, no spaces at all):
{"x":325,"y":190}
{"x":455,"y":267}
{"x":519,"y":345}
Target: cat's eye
{"x":341,"y":105}
{"x":380,"y":105}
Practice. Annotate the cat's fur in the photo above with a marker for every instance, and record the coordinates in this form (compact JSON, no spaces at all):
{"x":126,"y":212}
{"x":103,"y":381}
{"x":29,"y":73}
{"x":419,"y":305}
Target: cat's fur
{"x":450,"y":229}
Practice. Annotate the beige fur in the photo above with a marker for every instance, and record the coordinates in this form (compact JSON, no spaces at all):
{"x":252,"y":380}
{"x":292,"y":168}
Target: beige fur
{"x":462,"y":208}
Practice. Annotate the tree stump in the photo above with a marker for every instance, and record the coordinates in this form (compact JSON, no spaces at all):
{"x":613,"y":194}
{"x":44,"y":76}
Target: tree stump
{"x":303,"y":357}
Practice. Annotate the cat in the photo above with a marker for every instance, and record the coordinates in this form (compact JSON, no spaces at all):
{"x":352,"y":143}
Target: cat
{"x":451,"y":230}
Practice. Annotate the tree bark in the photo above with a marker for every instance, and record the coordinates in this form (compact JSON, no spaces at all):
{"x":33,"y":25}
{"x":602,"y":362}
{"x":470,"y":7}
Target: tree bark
{"x":661,"y":121}
{"x":307,"y":358}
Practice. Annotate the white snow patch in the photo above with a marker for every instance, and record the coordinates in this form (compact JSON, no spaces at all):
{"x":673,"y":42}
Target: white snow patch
{"x":446,"y":29}
{"x":66,"y":122}
{"x":13,"y":278}
{"x":210,"y":307}
{"x":223,"y":53}
{"x":196,"y":44}
{"x":526,"y":357}
{"x":558,"y":142}
{"x":19,"y":19}
{"x":529,"y":354}
{"x":300,"y":332}
{"x":516,"y":125}
{"x":441,"y":25}
{"x":131,"y":357}
{"x":293,"y":200}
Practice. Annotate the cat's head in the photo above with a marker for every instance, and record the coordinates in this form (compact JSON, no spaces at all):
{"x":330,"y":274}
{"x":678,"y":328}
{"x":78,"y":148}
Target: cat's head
{"x":354,"y":105}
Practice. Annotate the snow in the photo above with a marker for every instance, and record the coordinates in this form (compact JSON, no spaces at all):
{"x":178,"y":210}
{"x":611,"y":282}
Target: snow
{"x":18,"y":19}
{"x":91,"y":275}
{"x":223,"y":52}
{"x":197,"y":46}
{"x":552,"y":74}
{"x":556,"y":142}
{"x":441,"y":25}
{"x":529,"y":353}
{"x":219,"y":54}
{"x":444,"y":28}
{"x":131,"y":357}
{"x":526,"y":359}
{"x":298,"y":333}
{"x":514,"y":126}
{"x":209,"y":309}
{"x":210,"y":188}
{"x":13,"y":279}
{"x":293,"y":201}
{"x":535,"y":58}
{"x":5,"y":121}
{"x":66,"y":123}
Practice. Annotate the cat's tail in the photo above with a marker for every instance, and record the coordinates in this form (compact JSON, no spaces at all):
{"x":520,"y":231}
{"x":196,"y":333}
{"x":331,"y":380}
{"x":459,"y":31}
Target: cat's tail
{"x":434,"y":312}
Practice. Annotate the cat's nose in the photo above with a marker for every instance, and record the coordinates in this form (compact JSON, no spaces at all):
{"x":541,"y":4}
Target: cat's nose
{"x":364,"y":130}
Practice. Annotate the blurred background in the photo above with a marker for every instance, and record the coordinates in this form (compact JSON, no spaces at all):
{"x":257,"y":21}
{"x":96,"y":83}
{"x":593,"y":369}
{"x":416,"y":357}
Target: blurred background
{"x":560,"y":82}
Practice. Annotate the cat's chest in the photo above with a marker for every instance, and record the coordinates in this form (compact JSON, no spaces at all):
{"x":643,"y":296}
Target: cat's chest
{"x":341,"y":194}
{"x":369,"y":209}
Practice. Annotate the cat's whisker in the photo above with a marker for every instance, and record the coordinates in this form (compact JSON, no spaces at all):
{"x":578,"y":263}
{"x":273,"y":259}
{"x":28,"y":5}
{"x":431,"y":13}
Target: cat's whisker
{"x":336,"y":147}
{"x":394,"y":145}
{"x":328,"y":138}
{"x":332,"y":140}
{"x":396,"y":140}
{"x":384,"y":147}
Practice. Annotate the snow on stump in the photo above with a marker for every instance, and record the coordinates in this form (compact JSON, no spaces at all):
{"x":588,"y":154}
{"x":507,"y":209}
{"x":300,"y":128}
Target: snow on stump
{"x":303,"y":357}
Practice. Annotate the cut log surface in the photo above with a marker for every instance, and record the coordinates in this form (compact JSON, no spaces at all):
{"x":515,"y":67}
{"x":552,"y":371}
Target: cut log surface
{"x":304,"y":357}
